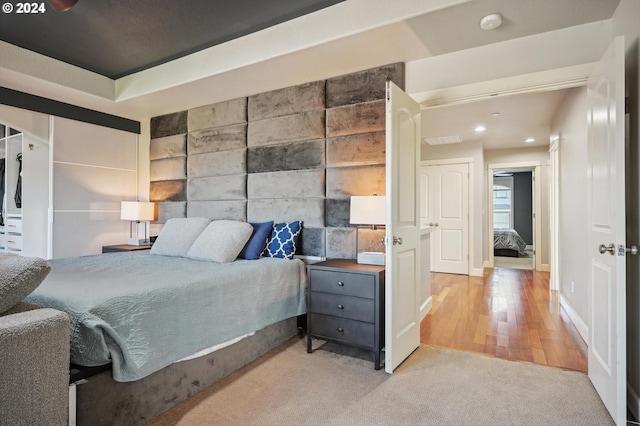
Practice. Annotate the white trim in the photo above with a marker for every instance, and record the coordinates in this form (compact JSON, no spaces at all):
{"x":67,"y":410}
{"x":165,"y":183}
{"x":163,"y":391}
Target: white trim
{"x":554,"y":210}
{"x":580,"y":325}
{"x":633,"y":401}
{"x":477,"y":272}
{"x":537,"y":190}
{"x":98,"y":167}
{"x":544,"y":267}
{"x":446,"y":161}
{"x":555,"y":79}
{"x":486,"y":264}
{"x":72,"y":404}
{"x":426,"y":307}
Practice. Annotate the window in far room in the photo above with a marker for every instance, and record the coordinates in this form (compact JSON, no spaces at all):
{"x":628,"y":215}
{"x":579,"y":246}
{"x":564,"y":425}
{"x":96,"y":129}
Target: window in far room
{"x":502,"y":207}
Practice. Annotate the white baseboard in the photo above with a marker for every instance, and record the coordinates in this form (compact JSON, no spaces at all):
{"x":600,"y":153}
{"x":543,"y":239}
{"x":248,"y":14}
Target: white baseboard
{"x":544,"y":267}
{"x":633,"y":401}
{"x":580,"y":325}
{"x":486,"y":264}
{"x":72,"y":404}
{"x":476,"y":272}
{"x":426,"y":307}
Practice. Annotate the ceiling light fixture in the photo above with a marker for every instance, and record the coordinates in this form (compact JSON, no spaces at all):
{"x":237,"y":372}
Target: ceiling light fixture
{"x":491,"y":22}
{"x":495,"y":114}
{"x":529,"y":140}
{"x":480,"y":129}
{"x":62,"y":5}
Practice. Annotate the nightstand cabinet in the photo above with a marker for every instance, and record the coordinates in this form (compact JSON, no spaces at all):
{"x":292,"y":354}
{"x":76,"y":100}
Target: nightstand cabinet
{"x":346,"y":305}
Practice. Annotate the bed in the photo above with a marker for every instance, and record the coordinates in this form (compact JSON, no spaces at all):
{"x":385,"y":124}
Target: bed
{"x":155,"y":317}
{"x":507,"y":242}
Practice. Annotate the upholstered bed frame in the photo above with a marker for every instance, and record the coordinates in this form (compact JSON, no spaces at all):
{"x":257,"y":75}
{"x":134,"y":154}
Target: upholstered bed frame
{"x":100,"y":400}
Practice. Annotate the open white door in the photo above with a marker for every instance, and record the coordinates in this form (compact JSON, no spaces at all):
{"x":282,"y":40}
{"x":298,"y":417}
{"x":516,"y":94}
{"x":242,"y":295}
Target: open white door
{"x":402,"y":276}
{"x":606,"y":219}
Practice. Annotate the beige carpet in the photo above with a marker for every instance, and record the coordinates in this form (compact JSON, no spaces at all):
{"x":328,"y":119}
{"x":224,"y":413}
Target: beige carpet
{"x":433,"y":387}
{"x":522,"y":262}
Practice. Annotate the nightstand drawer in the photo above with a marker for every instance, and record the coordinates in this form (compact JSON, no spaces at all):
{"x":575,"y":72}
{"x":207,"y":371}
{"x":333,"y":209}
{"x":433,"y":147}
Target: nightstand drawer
{"x":343,"y":330}
{"x":356,"y":308}
{"x":344,"y":283}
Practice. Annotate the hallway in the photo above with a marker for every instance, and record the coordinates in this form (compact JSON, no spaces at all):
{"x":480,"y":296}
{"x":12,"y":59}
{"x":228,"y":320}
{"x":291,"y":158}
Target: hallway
{"x":508,"y":313}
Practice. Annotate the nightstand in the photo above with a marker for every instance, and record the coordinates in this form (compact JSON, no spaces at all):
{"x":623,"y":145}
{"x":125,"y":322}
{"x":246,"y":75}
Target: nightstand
{"x":346,"y":305}
{"x":123,"y":247}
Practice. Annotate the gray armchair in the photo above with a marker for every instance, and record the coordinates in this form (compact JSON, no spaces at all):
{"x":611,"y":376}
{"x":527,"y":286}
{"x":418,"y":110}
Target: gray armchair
{"x":34,"y":351}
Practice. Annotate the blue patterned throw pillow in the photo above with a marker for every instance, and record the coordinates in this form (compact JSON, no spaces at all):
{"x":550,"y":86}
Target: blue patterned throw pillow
{"x":284,"y":238}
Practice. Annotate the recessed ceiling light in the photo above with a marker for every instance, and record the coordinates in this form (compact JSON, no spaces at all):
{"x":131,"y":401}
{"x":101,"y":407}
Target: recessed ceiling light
{"x":529,"y":140}
{"x":480,"y":129}
{"x":491,"y":22}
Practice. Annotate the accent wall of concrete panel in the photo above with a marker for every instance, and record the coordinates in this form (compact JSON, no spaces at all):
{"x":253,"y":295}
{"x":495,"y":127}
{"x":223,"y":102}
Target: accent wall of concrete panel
{"x":296,"y":153}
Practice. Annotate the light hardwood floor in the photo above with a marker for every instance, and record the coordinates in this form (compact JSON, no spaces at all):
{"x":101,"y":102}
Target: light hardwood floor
{"x":508,"y":313}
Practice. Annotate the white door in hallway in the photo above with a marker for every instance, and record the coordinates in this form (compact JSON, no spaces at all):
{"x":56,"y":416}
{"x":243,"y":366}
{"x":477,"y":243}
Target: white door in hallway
{"x":445,"y":206}
{"x":606,"y":223}
{"x":402,"y":272}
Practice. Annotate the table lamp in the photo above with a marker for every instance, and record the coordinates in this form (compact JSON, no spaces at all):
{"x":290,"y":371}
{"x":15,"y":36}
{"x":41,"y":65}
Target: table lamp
{"x":370,"y":211}
{"x":137,"y":211}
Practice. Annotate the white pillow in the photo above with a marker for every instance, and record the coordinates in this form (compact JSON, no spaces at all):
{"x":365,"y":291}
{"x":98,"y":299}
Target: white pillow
{"x":221,"y":241}
{"x":178,"y":234}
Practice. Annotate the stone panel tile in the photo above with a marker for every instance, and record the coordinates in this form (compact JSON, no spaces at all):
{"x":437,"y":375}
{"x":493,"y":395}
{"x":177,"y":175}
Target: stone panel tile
{"x":170,"y":210}
{"x":287,"y":156}
{"x":343,"y":182}
{"x":217,"y":163}
{"x":219,"y":139}
{"x":291,"y":184}
{"x":218,"y":115}
{"x":341,"y":243}
{"x":363,"y":86}
{"x":168,"y":169}
{"x":353,"y":119}
{"x":217,"y":188}
{"x":231,"y":210}
{"x":169,"y":125}
{"x":298,"y":127}
{"x":168,"y":147}
{"x":369,"y":239}
{"x":356,"y":150}
{"x":308,"y":210}
{"x":337,"y":212}
{"x":287,"y":101}
{"x":168,"y":190}
{"x":312,"y":241}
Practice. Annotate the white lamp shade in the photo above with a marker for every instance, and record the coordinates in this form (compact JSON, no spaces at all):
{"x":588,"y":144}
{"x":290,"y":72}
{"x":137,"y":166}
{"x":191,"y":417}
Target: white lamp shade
{"x":368,"y":210}
{"x":137,"y":210}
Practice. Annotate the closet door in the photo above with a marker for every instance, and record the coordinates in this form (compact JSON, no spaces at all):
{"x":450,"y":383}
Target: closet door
{"x":35,"y":196}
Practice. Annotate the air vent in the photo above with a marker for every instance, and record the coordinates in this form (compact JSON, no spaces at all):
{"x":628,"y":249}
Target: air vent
{"x":444,"y":140}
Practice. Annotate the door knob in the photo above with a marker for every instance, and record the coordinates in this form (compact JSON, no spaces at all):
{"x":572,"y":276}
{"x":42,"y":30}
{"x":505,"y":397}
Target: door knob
{"x":611,"y":248}
{"x":430,"y":223}
{"x":437,"y":224}
{"x":397,"y":240}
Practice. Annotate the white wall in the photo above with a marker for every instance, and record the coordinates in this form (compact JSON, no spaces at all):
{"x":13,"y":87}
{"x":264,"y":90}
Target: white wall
{"x":474,"y":151}
{"x":625,"y":22}
{"x":570,"y":124}
{"x":541,"y":155}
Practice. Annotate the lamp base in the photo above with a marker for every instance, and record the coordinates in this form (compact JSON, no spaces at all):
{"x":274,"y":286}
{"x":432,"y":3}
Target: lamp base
{"x":371,"y":258}
{"x":137,"y":242}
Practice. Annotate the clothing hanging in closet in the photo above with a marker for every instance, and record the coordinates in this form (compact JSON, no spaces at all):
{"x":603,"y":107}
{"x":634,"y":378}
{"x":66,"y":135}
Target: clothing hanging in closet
{"x":2,"y":165}
{"x":18,"y":196}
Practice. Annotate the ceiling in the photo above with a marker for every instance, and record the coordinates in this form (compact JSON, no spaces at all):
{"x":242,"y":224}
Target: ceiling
{"x":115,"y":38}
{"x":265,"y":45}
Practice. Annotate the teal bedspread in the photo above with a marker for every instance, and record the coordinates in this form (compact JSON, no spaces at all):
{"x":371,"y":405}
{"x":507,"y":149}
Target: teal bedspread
{"x":142,"y":312}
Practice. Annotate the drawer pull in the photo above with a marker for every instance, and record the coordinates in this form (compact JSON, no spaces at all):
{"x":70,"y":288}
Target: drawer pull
{"x":340,"y":284}
{"x":341,"y":330}
{"x":340,"y":306}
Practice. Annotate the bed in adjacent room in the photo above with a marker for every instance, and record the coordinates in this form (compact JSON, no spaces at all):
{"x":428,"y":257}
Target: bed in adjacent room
{"x":155,"y":316}
{"x":507,"y":242}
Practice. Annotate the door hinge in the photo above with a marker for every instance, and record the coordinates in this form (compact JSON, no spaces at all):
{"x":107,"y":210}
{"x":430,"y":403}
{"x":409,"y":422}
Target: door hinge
{"x":626,"y":105}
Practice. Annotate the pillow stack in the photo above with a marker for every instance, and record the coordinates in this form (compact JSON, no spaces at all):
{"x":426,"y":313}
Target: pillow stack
{"x":224,"y":241}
